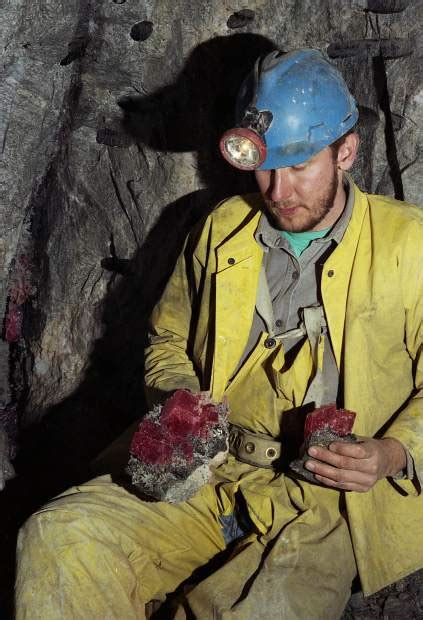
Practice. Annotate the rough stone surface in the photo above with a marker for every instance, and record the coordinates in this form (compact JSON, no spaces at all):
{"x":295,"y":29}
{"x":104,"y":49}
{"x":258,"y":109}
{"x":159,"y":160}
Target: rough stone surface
{"x":105,"y":139}
{"x":400,"y":601}
{"x":109,"y":155}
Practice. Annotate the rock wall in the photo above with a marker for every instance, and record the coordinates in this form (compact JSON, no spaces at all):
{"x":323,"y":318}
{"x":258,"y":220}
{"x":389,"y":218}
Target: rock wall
{"x":110,"y":115}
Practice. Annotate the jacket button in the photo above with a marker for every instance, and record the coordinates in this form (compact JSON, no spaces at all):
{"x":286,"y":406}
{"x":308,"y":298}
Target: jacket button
{"x":231,"y":261}
{"x":269,"y":343}
{"x":331,"y":273}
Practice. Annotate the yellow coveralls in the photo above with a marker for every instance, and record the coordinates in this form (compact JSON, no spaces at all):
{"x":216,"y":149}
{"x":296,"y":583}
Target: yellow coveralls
{"x":98,"y":551}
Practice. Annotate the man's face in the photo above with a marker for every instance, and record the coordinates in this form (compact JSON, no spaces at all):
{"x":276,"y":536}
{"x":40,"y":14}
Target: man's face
{"x":309,"y":196}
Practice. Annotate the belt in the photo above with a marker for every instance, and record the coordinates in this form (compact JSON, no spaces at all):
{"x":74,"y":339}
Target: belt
{"x":253,"y":448}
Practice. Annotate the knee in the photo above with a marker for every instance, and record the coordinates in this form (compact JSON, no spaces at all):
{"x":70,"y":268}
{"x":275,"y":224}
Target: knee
{"x":40,"y":530}
{"x":54,"y":526}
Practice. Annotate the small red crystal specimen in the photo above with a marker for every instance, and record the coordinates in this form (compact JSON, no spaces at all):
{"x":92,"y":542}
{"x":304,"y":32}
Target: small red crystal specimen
{"x":340,"y":421}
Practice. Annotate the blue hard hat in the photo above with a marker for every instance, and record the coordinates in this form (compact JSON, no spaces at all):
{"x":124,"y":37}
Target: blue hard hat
{"x":298,"y":103}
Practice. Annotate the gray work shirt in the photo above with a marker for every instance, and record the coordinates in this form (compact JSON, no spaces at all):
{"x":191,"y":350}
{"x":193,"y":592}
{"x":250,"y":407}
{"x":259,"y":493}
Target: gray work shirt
{"x":294,"y":283}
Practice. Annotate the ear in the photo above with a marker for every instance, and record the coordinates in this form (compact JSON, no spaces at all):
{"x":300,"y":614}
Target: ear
{"x":347,"y":151}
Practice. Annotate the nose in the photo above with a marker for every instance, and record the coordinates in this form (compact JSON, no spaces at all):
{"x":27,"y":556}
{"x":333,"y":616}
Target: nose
{"x":281,"y":185}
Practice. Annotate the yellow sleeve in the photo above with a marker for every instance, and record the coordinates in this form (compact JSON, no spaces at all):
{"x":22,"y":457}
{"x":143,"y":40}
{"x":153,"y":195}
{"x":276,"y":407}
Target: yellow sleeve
{"x":168,"y":357}
{"x":168,"y":366}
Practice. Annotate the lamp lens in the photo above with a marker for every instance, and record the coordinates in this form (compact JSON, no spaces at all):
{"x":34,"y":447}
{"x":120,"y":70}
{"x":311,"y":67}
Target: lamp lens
{"x":242,"y":151}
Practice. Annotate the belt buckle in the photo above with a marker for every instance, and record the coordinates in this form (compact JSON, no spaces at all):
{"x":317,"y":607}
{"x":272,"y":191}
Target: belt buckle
{"x":251,"y":448}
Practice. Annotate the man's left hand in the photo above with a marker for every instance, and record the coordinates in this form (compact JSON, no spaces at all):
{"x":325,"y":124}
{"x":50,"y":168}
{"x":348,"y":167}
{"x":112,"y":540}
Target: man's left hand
{"x":356,"y":466}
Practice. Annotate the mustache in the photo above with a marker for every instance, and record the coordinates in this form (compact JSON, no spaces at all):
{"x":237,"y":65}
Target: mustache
{"x":283,"y":204}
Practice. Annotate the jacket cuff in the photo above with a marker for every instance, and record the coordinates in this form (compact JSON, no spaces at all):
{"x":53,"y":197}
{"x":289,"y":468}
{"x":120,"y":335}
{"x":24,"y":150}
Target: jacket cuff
{"x":409,"y":472}
{"x":406,"y":481}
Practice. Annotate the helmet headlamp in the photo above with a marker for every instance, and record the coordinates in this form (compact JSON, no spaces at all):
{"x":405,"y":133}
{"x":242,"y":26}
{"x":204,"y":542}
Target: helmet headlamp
{"x":243,"y":148}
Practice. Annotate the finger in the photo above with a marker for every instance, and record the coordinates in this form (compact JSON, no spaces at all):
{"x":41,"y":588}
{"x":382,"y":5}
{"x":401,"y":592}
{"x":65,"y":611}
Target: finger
{"x":355,"y":463}
{"x":338,"y":476}
{"x":356,"y":450}
{"x":343,"y":486}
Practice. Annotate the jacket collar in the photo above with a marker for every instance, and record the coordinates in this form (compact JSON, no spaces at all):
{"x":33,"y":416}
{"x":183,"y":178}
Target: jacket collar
{"x":239,"y":260}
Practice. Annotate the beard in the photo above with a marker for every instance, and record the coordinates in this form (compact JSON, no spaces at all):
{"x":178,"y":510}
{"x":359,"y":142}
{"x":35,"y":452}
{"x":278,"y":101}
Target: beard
{"x":307,"y":215}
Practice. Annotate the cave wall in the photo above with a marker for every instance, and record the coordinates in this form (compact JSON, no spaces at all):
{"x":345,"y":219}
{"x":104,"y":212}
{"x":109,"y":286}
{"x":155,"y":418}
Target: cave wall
{"x":110,"y":115}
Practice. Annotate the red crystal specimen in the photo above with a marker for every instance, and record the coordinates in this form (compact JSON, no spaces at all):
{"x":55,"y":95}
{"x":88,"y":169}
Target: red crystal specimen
{"x":186,"y":414}
{"x":183,"y":416}
{"x":340,"y":421}
{"x":150,"y":444}
{"x":183,"y":400}
{"x":180,"y":423}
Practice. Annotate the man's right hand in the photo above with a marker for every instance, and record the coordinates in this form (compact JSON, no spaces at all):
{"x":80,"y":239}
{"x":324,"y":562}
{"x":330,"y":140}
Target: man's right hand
{"x":357,"y":466}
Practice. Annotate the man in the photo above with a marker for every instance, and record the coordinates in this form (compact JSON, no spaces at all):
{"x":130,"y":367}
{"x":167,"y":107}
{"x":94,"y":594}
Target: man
{"x":308,"y":293}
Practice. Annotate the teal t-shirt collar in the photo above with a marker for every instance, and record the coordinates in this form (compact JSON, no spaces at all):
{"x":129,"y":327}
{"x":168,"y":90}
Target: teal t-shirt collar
{"x":299,"y":241}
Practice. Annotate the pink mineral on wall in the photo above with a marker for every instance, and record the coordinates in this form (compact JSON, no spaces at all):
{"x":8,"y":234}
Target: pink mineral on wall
{"x":20,"y":289}
{"x":21,"y":285}
{"x":13,"y":323}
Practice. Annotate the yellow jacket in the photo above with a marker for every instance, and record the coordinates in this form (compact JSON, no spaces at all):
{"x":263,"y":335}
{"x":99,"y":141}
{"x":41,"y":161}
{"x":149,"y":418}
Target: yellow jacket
{"x":372,"y":290}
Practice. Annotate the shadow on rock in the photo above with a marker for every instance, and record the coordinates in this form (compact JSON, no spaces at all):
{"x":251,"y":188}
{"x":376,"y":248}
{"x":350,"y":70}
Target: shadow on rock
{"x":188,"y":115}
